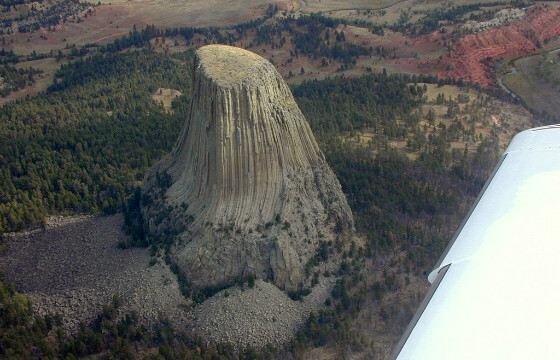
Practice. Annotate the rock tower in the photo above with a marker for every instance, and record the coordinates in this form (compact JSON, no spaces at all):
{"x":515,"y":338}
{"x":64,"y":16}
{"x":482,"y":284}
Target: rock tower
{"x":246,"y":191}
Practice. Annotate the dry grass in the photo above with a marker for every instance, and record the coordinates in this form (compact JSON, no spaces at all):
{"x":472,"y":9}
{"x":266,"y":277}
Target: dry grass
{"x":114,"y":19}
{"x":486,"y":115}
{"x":536,"y":80}
{"x":332,"y":5}
{"x":379,"y":11}
{"x":446,"y":90}
{"x":166,"y":97}
{"x":481,"y":114}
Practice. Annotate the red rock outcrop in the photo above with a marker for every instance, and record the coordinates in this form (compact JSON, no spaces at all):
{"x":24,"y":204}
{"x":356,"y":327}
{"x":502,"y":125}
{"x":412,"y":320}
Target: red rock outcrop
{"x":471,"y":55}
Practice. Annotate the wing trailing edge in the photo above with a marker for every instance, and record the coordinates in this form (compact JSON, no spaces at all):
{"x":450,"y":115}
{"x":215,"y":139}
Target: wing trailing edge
{"x":495,"y":291}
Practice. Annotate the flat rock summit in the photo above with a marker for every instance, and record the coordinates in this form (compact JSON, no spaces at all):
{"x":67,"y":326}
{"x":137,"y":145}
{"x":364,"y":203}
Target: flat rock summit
{"x":246,"y":191}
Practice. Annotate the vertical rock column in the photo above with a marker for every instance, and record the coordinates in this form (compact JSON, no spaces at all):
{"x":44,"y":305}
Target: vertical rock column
{"x":246,"y":190}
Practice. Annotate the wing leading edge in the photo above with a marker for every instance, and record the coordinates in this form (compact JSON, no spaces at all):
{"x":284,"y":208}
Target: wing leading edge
{"x":496,"y":290}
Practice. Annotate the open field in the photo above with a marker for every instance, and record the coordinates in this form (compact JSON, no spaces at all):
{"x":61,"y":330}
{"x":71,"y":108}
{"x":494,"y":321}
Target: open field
{"x":175,"y":13}
{"x":470,"y":114}
{"x":381,"y":12}
{"x":333,"y":5}
{"x":386,"y":12}
{"x":536,"y":81}
{"x":115,"y":19}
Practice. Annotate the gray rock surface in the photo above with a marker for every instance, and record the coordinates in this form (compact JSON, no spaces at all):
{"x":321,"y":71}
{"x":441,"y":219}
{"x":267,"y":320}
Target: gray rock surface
{"x":246,"y":191}
{"x":75,"y":267}
{"x":255,"y":317}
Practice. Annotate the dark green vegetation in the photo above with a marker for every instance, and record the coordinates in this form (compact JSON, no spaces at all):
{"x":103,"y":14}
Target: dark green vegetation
{"x":373,"y":101}
{"x":83,"y":146}
{"x":8,"y":57}
{"x":312,"y":35}
{"x":22,"y":335}
{"x":14,"y":79}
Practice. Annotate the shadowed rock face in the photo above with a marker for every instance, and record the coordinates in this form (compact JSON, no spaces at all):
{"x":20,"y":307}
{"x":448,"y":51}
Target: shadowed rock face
{"x":246,"y":190}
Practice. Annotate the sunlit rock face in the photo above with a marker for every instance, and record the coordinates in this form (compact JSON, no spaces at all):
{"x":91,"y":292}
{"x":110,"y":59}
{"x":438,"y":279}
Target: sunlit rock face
{"x":246,"y":191}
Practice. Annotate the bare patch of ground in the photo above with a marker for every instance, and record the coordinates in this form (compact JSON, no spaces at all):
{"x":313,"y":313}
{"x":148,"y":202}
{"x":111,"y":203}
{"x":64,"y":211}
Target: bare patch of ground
{"x":385,"y":12}
{"x":165,"y":97}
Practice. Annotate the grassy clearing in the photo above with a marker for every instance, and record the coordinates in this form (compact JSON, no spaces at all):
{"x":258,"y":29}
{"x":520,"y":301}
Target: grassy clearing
{"x":457,"y":110}
{"x":536,"y":80}
{"x":383,"y":11}
{"x":331,"y":5}
{"x":166,"y":97}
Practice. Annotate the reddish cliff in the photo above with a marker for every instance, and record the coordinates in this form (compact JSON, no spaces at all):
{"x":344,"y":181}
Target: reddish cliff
{"x":471,"y":55}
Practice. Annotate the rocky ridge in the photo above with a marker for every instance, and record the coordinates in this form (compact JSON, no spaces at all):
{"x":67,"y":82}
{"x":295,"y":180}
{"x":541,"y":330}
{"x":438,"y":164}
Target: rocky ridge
{"x":471,"y":55}
{"x":504,"y":16}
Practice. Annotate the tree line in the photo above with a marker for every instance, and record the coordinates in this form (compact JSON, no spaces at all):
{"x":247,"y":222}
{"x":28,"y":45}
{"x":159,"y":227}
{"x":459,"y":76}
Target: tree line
{"x":83,"y":145}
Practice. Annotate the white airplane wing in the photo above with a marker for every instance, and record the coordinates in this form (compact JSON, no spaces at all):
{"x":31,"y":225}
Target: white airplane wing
{"x":495,"y":293}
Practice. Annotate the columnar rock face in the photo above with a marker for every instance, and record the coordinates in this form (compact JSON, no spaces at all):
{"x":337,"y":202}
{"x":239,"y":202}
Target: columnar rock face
{"x":246,"y":191}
